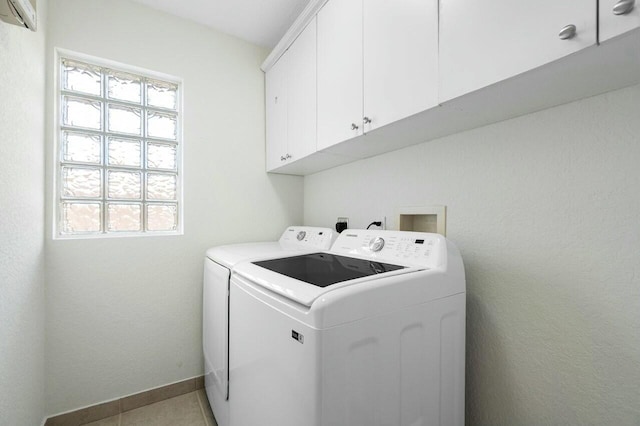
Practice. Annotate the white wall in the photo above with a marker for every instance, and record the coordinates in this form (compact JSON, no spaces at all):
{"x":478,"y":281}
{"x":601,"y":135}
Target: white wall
{"x":546,"y":211}
{"x":22,"y":91}
{"x":124,"y":315}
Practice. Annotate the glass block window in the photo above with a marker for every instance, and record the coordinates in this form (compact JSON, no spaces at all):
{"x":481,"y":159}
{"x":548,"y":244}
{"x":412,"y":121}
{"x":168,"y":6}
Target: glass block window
{"x":119,"y":152}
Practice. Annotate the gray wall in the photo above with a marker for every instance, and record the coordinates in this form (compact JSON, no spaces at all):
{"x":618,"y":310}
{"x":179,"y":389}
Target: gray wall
{"x":125,"y":313}
{"x":22,"y":91}
{"x":546,"y":211}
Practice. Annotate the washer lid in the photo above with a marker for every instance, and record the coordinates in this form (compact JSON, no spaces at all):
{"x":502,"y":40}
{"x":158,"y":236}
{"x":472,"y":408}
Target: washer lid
{"x":324,"y":272}
{"x":325,"y":269}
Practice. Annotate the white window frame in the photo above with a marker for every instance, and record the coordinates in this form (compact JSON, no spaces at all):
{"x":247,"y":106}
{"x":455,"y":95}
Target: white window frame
{"x":58,"y":92}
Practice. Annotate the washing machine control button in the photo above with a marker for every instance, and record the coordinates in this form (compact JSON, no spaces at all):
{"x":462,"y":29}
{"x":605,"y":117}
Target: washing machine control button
{"x":376,"y":244}
{"x":301,"y":235}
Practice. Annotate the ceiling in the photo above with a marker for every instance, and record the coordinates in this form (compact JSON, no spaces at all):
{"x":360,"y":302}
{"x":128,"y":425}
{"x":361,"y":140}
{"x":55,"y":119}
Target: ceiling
{"x":262,"y":22}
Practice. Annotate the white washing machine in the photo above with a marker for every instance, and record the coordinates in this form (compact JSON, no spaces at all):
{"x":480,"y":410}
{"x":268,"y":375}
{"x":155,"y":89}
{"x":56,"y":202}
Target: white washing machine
{"x":371,"y":332}
{"x":218,"y":268}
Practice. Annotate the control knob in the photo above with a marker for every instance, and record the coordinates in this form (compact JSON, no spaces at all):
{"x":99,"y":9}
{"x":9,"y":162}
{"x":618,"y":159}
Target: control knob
{"x":301,"y":235}
{"x":376,"y":244}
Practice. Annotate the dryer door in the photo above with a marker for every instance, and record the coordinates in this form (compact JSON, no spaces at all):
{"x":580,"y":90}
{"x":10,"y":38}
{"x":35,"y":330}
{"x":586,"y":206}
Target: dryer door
{"x":215,"y":336}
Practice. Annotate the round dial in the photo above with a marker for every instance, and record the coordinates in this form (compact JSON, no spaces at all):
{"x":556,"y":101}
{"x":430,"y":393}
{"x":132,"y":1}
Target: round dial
{"x":301,"y":235}
{"x":376,"y":244}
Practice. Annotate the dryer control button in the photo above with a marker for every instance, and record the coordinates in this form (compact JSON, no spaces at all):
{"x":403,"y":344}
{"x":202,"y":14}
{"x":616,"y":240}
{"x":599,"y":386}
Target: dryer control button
{"x":301,"y":235}
{"x":376,"y":244}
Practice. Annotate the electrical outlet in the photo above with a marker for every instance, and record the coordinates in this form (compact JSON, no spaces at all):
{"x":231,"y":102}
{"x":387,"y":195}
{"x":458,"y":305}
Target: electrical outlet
{"x":342,"y":223}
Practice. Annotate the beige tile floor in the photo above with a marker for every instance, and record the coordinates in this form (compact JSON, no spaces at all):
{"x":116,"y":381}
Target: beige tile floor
{"x":191,"y":409}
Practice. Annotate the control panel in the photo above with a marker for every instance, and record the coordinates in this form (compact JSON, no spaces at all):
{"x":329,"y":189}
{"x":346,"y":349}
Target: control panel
{"x":418,"y":248}
{"x":309,"y":237}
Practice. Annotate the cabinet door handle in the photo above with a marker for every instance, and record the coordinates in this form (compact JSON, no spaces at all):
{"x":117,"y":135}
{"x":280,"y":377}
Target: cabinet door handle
{"x":366,"y":120}
{"x":354,"y":126}
{"x":567,"y":32}
{"x":623,"y":7}
{"x":288,"y":156}
{"x":282,"y":158}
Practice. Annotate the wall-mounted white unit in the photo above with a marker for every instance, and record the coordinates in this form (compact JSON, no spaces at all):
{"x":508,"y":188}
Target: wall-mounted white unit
{"x":394,"y":74}
{"x":19,"y":12}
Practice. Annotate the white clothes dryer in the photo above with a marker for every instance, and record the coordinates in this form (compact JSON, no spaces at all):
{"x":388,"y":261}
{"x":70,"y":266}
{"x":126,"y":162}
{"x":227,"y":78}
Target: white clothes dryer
{"x":218,"y":266}
{"x":369,"y":333}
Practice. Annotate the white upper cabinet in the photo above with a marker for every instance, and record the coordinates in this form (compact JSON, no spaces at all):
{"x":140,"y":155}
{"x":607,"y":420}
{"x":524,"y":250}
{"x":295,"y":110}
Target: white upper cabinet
{"x":291,"y":102}
{"x":617,"y":17}
{"x":301,"y":94}
{"x":400,"y":59}
{"x":339,"y":72}
{"x":377,"y":63}
{"x":276,"y":114}
{"x":357,"y":78}
{"x":485,"y":41}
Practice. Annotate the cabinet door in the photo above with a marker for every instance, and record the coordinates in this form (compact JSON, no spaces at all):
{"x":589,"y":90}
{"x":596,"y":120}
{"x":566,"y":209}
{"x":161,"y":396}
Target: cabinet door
{"x":486,"y":41}
{"x":618,"y":17}
{"x":301,"y":94}
{"x":339,"y":71}
{"x":400,"y":59}
{"x":276,"y":113}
